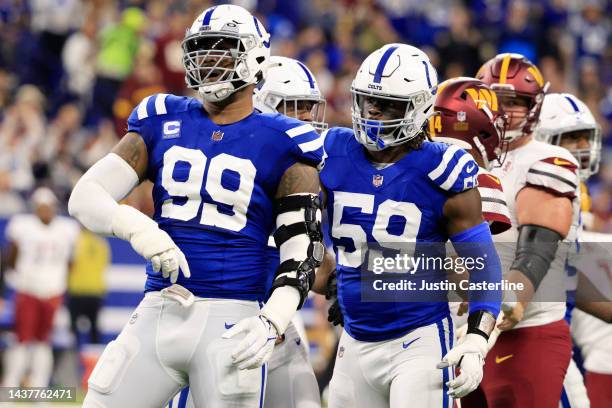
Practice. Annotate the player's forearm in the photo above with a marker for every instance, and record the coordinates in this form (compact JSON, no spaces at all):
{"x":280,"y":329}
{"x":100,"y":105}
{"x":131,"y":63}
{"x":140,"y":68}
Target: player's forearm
{"x":298,"y":238}
{"x":526,"y":294}
{"x":600,"y":310}
{"x":94,"y":199}
{"x":11,"y":255}
{"x":476,"y":244}
{"x":323,"y":273}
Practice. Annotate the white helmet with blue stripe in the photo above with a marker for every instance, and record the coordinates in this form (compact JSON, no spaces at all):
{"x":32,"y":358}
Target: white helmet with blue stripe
{"x":394,"y":73}
{"x":289,"y":82}
{"x":564,"y":117}
{"x":226,"y":49}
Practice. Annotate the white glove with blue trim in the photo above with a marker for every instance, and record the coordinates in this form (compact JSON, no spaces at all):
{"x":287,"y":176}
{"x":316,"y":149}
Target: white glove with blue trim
{"x":469,"y":357}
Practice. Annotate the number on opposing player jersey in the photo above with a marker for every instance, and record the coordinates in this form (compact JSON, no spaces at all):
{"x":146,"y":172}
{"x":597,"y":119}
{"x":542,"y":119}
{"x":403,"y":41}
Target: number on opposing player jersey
{"x":238,"y":199}
{"x":387,"y":209}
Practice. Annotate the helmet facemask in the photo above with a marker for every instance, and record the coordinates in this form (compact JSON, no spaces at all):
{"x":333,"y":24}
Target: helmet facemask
{"x":294,"y":106}
{"x":588,"y":158}
{"x":378,"y":134}
{"x":529,"y":119}
{"x":216,"y":63}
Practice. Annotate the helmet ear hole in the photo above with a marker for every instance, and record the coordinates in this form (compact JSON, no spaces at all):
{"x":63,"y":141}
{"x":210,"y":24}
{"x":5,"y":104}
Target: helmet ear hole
{"x":485,"y":135}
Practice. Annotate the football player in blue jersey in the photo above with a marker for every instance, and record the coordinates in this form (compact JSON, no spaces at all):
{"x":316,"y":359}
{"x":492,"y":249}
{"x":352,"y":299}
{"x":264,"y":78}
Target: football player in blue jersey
{"x":386,"y":185}
{"x":224,"y":177}
{"x":290,"y":88}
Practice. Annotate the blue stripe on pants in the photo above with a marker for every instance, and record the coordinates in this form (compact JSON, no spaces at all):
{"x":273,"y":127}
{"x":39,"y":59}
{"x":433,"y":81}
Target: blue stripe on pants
{"x":564,"y":399}
{"x":183,"y":398}
{"x":444,"y":371}
{"x":263,"y":385}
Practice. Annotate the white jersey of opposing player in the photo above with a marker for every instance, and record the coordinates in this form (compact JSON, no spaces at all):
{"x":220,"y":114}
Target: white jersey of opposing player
{"x":44,"y":252}
{"x":553,"y":169}
{"x":592,"y":335}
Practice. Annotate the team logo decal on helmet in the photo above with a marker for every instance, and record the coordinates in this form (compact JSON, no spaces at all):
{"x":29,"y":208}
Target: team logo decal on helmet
{"x":469,"y":115}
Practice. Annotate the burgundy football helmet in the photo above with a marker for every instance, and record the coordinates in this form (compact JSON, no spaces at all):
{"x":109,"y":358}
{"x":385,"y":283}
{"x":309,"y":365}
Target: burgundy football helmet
{"x":514,"y":76}
{"x":468,"y":114}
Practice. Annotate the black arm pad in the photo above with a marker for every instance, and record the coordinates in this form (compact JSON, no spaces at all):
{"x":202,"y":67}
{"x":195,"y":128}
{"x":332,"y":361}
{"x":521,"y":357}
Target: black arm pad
{"x":481,"y":322}
{"x":535,"y":250}
{"x":303,"y":280}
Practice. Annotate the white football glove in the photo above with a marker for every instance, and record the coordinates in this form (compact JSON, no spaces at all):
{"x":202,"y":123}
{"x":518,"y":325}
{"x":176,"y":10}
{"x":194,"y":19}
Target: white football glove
{"x":149,"y":241}
{"x":256,"y":347}
{"x":469,"y":357}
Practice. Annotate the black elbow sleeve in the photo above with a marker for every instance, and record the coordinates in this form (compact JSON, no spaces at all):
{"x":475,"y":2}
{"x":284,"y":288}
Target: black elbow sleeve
{"x":535,"y":250}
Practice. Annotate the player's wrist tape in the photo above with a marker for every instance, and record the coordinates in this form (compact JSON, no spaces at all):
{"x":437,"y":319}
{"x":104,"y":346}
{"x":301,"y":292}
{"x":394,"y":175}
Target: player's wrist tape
{"x":299,"y":240}
{"x":481,"y":322}
{"x":535,"y":250}
{"x":280,"y":307}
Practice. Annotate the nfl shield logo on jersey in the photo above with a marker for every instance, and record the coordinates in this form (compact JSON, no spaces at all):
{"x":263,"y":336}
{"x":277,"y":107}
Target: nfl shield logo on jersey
{"x":217,"y":135}
{"x":377,"y":180}
{"x":461,"y":116}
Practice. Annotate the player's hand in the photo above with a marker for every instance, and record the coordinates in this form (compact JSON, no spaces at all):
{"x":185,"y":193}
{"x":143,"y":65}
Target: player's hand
{"x":513,"y":313}
{"x":150,"y":241}
{"x":469,"y":358}
{"x":157,"y":246}
{"x":334,"y":314}
{"x":256,"y":347}
{"x":464,"y":307}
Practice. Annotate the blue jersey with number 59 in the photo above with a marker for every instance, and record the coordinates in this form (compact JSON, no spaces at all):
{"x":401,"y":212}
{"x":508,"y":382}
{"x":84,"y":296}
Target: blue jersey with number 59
{"x":398,"y":203}
{"x":214,"y":188}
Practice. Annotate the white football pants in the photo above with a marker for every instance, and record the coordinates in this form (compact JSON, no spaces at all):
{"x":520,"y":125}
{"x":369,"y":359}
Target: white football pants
{"x":394,"y":373}
{"x":291,"y":383}
{"x":166,"y":346}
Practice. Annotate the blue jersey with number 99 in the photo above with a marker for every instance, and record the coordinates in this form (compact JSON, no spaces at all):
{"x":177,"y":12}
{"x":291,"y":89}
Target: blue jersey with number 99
{"x":214,"y":188}
{"x":399,"y":203}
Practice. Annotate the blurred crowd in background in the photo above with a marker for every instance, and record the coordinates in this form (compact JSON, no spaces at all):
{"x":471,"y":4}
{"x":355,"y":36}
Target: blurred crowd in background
{"x":72,"y":70}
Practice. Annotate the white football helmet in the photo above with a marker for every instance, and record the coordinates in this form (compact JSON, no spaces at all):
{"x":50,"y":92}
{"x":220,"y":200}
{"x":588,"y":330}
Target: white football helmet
{"x":563,"y":113}
{"x":225,"y":49}
{"x":395,"y":72}
{"x":288,"y":81}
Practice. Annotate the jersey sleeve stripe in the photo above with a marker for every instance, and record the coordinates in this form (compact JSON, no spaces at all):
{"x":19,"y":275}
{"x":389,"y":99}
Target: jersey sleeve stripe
{"x":448,"y":155}
{"x":568,"y":173}
{"x":493,"y":200}
{"x":554,"y":176}
{"x":312,"y":145}
{"x":142,"y":108}
{"x":486,"y":191}
{"x":160,"y":104}
{"x":300,"y":130}
{"x":452,"y":177}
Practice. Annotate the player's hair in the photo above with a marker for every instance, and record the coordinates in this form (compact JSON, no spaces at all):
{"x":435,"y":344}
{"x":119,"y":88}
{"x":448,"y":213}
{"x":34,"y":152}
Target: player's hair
{"x":416,"y":142}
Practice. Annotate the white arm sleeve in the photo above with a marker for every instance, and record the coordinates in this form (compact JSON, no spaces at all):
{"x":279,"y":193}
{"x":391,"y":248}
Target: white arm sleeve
{"x":94,"y":198}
